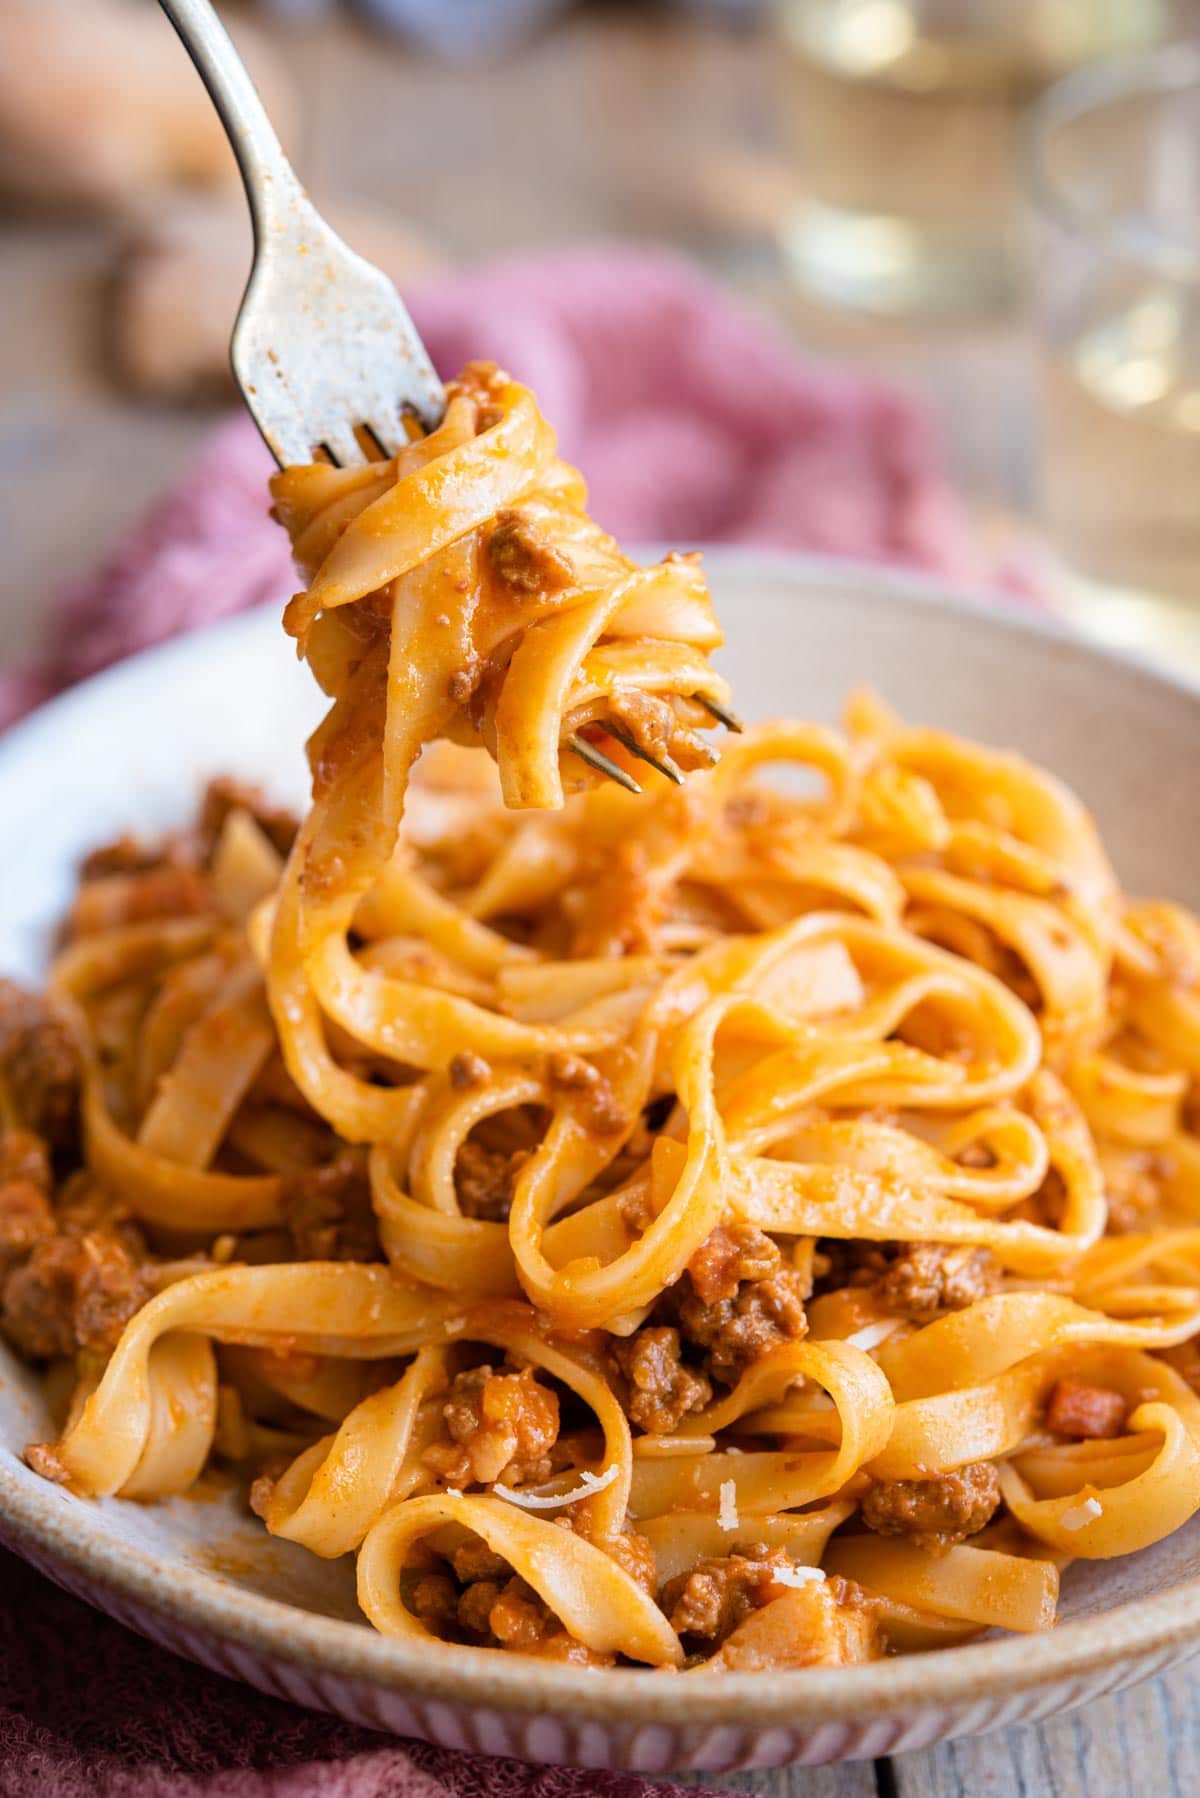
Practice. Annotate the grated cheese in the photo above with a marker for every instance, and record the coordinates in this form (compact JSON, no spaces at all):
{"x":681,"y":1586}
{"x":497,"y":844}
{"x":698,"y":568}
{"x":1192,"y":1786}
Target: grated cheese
{"x":453,"y":1492}
{"x":727,"y":1516}
{"x":1085,"y":1512}
{"x":797,"y":1576}
{"x":550,"y":1501}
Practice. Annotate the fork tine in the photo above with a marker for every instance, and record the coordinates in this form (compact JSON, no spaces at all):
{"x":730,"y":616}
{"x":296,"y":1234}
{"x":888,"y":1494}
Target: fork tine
{"x":322,"y":341}
{"x":388,"y":440}
{"x":343,"y":446}
{"x":721,"y":713}
{"x":596,"y":758}
{"x":665,"y":765}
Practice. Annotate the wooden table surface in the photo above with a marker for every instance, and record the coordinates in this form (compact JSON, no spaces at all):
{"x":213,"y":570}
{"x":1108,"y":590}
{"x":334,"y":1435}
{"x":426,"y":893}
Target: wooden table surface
{"x":1144,"y":1743}
{"x":661,"y":128}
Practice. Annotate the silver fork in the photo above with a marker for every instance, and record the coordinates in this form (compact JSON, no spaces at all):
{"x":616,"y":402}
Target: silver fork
{"x":323,"y":345}
{"x":324,"y":350}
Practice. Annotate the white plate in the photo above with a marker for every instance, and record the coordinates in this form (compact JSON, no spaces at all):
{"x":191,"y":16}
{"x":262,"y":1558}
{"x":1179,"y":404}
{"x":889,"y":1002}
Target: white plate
{"x":129,"y":751}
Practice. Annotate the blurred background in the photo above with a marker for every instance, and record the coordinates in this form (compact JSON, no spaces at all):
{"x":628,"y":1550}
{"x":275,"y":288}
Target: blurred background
{"x":994,"y":203}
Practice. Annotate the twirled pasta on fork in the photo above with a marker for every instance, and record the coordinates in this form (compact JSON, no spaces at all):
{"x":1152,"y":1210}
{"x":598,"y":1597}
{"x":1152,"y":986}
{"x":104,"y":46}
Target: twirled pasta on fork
{"x":703,"y":1225}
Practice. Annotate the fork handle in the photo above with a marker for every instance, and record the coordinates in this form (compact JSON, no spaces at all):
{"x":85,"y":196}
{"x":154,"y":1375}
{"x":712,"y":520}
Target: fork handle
{"x":272,"y":187}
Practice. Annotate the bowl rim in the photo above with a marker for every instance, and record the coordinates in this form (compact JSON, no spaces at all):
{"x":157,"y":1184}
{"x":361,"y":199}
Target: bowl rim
{"x":64,"y":1536}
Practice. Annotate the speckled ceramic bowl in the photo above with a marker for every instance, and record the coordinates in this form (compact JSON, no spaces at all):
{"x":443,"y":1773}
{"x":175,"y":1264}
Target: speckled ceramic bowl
{"x":129,"y":751}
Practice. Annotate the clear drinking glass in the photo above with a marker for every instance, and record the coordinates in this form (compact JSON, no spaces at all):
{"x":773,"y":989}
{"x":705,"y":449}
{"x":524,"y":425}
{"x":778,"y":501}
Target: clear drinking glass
{"x":1113,"y":167}
{"x":904,"y":113}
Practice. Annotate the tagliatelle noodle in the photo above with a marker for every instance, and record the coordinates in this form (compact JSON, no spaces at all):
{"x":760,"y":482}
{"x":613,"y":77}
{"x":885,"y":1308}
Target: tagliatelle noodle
{"x":594,"y":1597}
{"x":325,"y":1308}
{"x":897,"y":1038}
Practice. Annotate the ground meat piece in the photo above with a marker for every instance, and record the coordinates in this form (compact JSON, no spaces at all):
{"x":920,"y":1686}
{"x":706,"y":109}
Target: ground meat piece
{"x":37,"y":1300}
{"x":124,"y":855}
{"x":434,"y":1602}
{"x":976,"y":1155}
{"x":262,"y":1491}
{"x":514,"y":1617}
{"x":731,"y":1254}
{"x":468,"y":1070}
{"x":82,"y":1206}
{"x":634,"y":1554}
{"x":649,"y":721}
{"x":637,"y":1209}
{"x":487,"y":1602}
{"x":224,"y":795}
{"x":26,"y":1217}
{"x":109,"y":1287}
{"x":631,"y":1551}
{"x":270,"y":1465}
{"x":116,"y":900}
{"x":655,"y":726}
{"x":837,"y":1263}
{"x":574,"y":1074}
{"x":916,"y":1279}
{"x":188,"y":852}
{"x":518,"y":1618}
{"x":71,"y":1274}
{"x":39,"y":1291}
{"x":475,"y":1560}
{"x":505,"y":1608}
{"x":661,"y":1389}
{"x":25,"y":1220}
{"x":484,"y":1179}
{"x":328,"y":1211}
{"x":927,"y":1277}
{"x":524,"y":557}
{"x":502,"y":1426}
{"x":716,"y":1596}
{"x":24,"y":1157}
{"x":735,"y":1332}
{"x":39,"y":1066}
{"x":481,"y":382}
{"x":475,"y":1605}
{"x":73,"y":1291}
{"x":1085,"y":1411}
{"x":463,"y":683}
{"x":936,"y":1513}
{"x":46,"y":1461}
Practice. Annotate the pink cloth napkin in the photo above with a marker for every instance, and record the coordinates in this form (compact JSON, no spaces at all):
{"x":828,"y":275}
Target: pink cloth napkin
{"x":693,"y":421}
{"x":88,"y":1710}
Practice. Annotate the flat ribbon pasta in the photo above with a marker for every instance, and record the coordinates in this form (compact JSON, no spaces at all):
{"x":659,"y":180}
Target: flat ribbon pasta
{"x":752,"y":1219}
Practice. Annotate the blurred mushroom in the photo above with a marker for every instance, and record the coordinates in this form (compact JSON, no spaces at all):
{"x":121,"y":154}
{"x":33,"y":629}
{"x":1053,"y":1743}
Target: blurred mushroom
{"x":99,"y":104}
{"x":180,"y":272}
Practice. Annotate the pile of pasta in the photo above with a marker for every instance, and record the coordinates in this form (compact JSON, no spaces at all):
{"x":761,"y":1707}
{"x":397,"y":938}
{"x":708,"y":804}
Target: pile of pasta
{"x":754,"y":1168}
